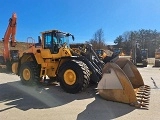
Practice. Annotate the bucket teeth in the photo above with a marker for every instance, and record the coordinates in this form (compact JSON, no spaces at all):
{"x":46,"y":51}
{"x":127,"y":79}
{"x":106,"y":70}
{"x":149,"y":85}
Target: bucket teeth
{"x":143,"y":101}
{"x":143,"y":93}
{"x":147,"y":86}
{"x":144,"y":88}
{"x":144,"y":106}
{"x":141,"y":105}
{"x":143,"y":97}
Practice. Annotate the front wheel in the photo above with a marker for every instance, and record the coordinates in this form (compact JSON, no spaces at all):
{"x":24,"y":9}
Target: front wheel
{"x":29,"y":73}
{"x":74,"y":76}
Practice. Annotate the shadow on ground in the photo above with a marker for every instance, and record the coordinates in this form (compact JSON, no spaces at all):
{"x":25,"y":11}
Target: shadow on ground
{"x":16,"y":95}
{"x":38,"y":97}
{"x":101,"y":109}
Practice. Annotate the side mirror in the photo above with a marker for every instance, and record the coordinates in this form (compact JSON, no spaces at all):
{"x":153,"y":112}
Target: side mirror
{"x":39,"y":39}
{"x":73,"y":37}
{"x":68,"y":34}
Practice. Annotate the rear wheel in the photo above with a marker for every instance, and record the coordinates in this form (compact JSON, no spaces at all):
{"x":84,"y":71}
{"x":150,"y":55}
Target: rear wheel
{"x":29,"y":73}
{"x":74,"y":76}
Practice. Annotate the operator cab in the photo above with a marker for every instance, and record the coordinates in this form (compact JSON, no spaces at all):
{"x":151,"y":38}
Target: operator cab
{"x":55,"y":39}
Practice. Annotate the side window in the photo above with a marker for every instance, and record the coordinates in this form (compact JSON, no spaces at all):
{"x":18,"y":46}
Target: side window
{"x":48,"y":41}
{"x":55,"y":49}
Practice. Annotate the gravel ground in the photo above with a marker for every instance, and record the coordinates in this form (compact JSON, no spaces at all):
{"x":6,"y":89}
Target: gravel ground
{"x":19,"y":102}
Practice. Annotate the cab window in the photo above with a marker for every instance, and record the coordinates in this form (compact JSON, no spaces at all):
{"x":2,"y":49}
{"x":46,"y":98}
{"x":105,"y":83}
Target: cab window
{"x":48,"y":40}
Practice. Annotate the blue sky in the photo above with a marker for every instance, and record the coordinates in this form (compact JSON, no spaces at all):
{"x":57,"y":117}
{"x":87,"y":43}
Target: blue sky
{"x":80,"y":17}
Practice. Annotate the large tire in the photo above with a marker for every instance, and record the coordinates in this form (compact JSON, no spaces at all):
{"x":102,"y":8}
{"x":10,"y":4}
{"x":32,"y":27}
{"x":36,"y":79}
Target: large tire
{"x":29,"y":73}
{"x":8,"y":66}
{"x":74,"y":76}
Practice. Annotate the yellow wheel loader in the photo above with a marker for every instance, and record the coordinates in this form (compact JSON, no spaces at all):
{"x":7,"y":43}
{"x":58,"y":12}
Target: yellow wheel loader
{"x":76,"y":66}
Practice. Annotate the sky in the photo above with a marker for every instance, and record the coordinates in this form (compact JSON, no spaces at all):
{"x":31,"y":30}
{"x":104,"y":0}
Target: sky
{"x":82,"y":18}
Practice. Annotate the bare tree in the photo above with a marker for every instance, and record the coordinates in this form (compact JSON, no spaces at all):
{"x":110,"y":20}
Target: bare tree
{"x":98,"y":41}
{"x":147,"y":39}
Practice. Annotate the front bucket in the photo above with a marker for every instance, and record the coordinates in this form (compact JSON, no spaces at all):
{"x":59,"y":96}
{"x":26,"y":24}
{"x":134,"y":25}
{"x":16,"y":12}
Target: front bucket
{"x":123,"y":85}
{"x":131,"y":71}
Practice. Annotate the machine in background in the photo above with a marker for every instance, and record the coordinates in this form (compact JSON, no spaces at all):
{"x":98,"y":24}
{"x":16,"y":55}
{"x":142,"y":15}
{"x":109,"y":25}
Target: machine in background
{"x":157,"y":58}
{"x":9,"y":56}
{"x":139,"y":55}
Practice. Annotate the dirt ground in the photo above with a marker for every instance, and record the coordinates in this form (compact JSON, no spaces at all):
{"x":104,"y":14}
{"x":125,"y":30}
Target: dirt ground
{"x":19,"y":102}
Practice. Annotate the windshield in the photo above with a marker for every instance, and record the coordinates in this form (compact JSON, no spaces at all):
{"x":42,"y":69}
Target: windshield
{"x":56,"y":38}
{"x":61,"y":38}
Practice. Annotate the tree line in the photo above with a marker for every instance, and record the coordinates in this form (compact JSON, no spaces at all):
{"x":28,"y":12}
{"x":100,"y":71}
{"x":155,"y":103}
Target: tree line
{"x":145,"y":39}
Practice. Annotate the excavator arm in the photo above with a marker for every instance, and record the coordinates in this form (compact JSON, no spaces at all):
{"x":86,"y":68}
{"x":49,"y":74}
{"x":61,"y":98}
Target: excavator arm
{"x":9,"y":35}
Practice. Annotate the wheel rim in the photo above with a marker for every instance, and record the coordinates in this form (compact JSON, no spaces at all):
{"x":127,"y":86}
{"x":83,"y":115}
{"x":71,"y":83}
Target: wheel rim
{"x":69,"y":77}
{"x":26,"y":74}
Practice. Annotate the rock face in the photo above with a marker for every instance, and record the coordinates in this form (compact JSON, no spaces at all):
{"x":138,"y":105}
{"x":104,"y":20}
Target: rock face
{"x":21,"y":46}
